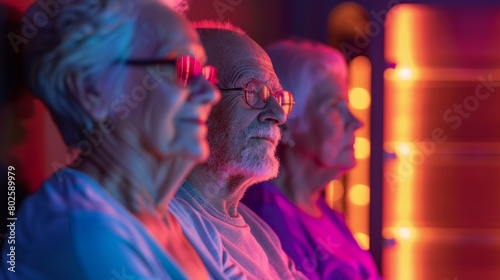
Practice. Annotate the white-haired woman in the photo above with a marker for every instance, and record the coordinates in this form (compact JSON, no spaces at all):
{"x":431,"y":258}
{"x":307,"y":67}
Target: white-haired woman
{"x":316,"y":147}
{"x":125,"y":83}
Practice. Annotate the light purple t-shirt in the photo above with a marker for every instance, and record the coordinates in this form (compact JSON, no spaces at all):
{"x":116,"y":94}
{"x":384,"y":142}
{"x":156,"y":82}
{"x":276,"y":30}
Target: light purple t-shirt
{"x":322,"y":248}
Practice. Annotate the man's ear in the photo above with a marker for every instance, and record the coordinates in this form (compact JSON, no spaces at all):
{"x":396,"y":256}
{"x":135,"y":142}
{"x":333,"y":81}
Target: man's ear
{"x":94,"y":102}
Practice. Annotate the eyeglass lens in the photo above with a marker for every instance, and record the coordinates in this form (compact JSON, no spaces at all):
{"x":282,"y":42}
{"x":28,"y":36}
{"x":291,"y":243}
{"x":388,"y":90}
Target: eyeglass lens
{"x":188,"y":67}
{"x":257,"y":95}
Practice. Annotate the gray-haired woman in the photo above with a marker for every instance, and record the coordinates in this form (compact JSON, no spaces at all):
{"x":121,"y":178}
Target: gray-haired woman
{"x":317,"y":146}
{"x":124,"y":82}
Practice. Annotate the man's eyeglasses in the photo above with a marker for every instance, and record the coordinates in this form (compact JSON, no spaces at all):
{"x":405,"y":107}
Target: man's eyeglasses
{"x":186,"y":68}
{"x":257,"y":96}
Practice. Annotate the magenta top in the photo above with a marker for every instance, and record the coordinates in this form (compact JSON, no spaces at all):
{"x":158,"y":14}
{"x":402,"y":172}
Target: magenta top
{"x":322,"y":248}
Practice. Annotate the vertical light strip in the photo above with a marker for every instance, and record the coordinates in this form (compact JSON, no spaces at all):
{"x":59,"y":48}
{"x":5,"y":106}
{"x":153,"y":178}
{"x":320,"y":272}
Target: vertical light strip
{"x":399,"y":116}
{"x":358,"y":180}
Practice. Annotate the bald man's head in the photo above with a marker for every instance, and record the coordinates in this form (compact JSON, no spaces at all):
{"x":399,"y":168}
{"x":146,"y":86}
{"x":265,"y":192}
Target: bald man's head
{"x":236,"y":55}
{"x":242,"y":133}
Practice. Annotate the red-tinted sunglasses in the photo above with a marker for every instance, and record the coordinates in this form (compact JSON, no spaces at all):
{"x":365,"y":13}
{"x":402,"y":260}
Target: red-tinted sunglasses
{"x":186,"y":68}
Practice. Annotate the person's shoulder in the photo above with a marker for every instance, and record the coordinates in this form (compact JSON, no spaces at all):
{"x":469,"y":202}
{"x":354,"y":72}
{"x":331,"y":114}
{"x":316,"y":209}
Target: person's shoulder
{"x":67,"y":203}
{"x":264,"y":193}
{"x":257,"y":224}
{"x":333,"y":214}
{"x":194,"y":201}
{"x":274,"y":222}
{"x":206,"y":239}
{"x":71,"y":190}
{"x":108,"y":245}
{"x":271,"y":233}
{"x":43,"y":243}
{"x":194,"y":224}
{"x":60,"y":203}
{"x":266,"y":201}
{"x":70,"y":220}
{"x":189,"y":217}
{"x":72,"y":231}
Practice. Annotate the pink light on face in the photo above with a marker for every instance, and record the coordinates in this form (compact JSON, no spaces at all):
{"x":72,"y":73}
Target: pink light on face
{"x":180,"y":6}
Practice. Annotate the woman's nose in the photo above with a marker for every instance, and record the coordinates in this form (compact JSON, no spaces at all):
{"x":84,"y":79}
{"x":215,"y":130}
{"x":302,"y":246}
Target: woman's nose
{"x":203,"y":91}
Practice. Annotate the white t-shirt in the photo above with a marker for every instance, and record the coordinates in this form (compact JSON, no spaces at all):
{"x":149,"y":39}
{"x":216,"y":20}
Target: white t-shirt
{"x":250,"y":242}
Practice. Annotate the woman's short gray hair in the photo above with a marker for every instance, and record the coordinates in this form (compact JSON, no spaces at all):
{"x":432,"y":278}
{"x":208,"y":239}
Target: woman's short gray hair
{"x":81,"y":37}
{"x":300,"y":64}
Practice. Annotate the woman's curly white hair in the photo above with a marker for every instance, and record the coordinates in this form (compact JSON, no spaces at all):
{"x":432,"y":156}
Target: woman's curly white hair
{"x":83,"y":37}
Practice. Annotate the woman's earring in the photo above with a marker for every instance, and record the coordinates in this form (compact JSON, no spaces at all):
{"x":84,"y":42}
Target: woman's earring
{"x":291,"y":143}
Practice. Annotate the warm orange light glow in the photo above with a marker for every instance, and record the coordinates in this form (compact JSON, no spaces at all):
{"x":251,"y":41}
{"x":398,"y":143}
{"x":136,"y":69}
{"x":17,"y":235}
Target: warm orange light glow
{"x":361,"y":148}
{"x":404,"y":73}
{"x":360,"y":70}
{"x":405,"y":259}
{"x":387,"y":233}
{"x":338,"y":190}
{"x":404,"y":233}
{"x":403,"y":149}
{"x":400,"y":42}
{"x":359,"y":98}
{"x":403,"y":125}
{"x":334,"y":192}
{"x":359,"y":84}
{"x":359,"y":194}
{"x":356,"y":207}
{"x":401,"y":49}
{"x":363,"y":240}
{"x":389,"y":74}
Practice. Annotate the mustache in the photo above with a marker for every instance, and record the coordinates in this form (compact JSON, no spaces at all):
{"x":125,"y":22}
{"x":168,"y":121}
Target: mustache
{"x":267,"y":131}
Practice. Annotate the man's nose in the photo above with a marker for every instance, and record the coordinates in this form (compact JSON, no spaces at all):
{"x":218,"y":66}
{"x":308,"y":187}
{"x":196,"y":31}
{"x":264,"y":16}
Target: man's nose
{"x":272,"y":112}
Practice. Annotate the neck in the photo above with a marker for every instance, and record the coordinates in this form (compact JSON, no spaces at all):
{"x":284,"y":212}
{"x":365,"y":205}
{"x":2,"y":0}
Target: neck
{"x":302,"y":181}
{"x":140,"y":181}
{"x":223,"y":192}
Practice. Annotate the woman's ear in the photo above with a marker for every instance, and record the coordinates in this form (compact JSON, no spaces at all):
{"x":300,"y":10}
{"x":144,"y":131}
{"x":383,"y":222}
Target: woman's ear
{"x":94,"y":102}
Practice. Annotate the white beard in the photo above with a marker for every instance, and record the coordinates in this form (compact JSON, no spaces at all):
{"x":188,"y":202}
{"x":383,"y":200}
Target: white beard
{"x":255,"y":159}
{"x":259,"y":161}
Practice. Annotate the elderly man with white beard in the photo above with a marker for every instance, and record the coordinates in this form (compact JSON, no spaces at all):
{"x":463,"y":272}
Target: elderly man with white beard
{"x":243,"y":134}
